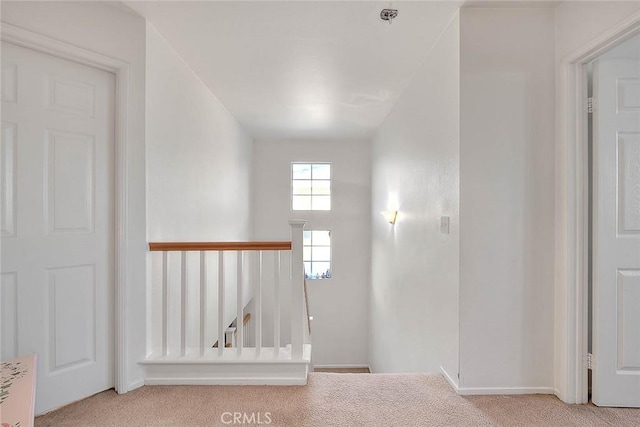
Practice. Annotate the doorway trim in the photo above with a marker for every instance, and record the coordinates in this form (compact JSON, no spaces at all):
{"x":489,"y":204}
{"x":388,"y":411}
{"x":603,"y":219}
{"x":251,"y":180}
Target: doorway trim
{"x":38,"y":42}
{"x":572,"y":213}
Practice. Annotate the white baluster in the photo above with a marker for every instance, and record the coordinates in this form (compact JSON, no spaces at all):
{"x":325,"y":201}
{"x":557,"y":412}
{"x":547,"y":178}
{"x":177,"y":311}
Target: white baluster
{"x":221,"y":325}
{"x":276,"y":303}
{"x":258,"y":307}
{"x":247,"y":333}
{"x":203,"y":300}
{"x":239,"y":306}
{"x":165,"y":305}
{"x":183,"y":301}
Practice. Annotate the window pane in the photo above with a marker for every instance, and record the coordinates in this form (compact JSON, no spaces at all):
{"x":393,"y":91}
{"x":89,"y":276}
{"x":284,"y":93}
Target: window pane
{"x":311,"y":179}
{"x":320,"y":187}
{"x":321,"y":238}
{"x":313,"y":273}
{"x":321,"y":253}
{"x":317,"y":254}
{"x":301,"y":203}
{"x":322,"y":171}
{"x":301,"y":170}
{"x":307,"y":270}
{"x":302,"y":187}
{"x":321,"y":203}
{"x":320,"y":268}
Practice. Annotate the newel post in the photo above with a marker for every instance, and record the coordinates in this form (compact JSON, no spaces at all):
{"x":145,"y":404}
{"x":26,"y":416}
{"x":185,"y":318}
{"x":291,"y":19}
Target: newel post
{"x":297,"y":288}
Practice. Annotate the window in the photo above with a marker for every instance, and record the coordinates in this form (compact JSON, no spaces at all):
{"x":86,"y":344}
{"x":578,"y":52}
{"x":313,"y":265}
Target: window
{"x":311,"y":186}
{"x":316,"y":254}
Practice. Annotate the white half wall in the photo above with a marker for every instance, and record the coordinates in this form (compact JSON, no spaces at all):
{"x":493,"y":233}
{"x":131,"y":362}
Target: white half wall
{"x":414,"y":286}
{"x":506,"y":198}
{"x":339,"y":305}
{"x":111,"y":31}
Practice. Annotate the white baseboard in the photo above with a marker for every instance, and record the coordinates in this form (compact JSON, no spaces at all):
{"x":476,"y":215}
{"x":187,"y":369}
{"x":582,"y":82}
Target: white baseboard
{"x":342,"y":366}
{"x":471,"y":391}
{"x":557,"y":393}
{"x":452,"y":383}
{"x":136,"y":384}
{"x":226,"y":381}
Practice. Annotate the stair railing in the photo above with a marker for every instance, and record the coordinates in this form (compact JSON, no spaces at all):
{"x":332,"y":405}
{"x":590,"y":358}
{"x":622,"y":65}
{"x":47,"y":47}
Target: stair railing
{"x":298,"y":309}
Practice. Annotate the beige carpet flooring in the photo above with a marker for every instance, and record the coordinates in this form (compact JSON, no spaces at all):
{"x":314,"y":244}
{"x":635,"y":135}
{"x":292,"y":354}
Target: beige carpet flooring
{"x":331,"y":399}
{"x":343,"y":370}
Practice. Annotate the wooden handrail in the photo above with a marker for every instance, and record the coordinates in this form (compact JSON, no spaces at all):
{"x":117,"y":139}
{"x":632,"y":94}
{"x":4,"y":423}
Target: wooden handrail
{"x":219,"y":246}
{"x":246,"y":318}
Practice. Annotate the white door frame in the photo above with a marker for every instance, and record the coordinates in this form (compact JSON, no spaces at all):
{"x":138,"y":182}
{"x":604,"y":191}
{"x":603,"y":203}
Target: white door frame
{"x":572,"y":213}
{"x":21,"y":37}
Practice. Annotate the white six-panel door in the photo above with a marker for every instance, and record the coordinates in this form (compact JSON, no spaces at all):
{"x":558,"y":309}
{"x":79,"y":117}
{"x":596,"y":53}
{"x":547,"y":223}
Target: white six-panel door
{"x":616,"y":233}
{"x":57,"y":226}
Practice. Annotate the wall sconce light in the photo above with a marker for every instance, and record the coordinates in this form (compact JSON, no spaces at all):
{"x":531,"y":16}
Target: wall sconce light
{"x":390,"y":216}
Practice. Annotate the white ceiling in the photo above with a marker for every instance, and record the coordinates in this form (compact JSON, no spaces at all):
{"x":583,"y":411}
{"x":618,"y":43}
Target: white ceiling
{"x":309,"y":69}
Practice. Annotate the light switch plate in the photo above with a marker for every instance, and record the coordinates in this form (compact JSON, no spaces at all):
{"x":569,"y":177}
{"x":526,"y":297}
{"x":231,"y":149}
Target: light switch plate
{"x":444,"y":224}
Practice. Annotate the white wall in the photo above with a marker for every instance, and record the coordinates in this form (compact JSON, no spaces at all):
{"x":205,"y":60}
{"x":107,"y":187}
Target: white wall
{"x":339,"y":305}
{"x":414,"y":290}
{"x":110,"y":31}
{"x":577,"y":24}
{"x":198,"y":156}
{"x":506,"y":198}
{"x":198,"y":182}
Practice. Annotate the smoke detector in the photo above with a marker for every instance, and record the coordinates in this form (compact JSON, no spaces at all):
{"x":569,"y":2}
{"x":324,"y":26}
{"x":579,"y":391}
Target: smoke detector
{"x":388,"y":14}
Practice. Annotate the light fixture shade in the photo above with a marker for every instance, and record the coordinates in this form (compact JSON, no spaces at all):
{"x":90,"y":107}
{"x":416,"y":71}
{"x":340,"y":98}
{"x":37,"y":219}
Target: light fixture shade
{"x":390,"y":216}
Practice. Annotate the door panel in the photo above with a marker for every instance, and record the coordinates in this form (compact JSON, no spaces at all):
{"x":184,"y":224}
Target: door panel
{"x":69,"y":171}
{"x":71,"y":308}
{"x":628,"y":320}
{"x":9,"y":310}
{"x":8,"y":179}
{"x":58,"y":222}
{"x":616,"y":233}
{"x":629,"y":182}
